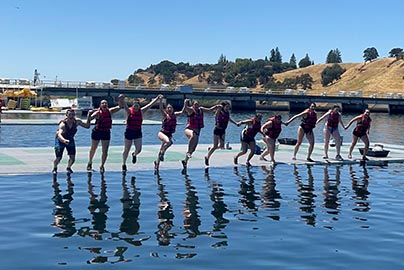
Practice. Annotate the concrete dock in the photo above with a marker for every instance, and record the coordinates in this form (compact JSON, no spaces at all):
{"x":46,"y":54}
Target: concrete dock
{"x":40,"y":160}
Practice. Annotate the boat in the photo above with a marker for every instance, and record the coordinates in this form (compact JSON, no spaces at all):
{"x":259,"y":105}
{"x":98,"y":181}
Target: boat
{"x":377,"y":151}
{"x":288,"y":141}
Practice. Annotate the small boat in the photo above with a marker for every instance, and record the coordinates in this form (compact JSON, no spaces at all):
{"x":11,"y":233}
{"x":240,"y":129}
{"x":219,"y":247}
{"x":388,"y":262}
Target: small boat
{"x":377,"y":151}
{"x":288,"y":141}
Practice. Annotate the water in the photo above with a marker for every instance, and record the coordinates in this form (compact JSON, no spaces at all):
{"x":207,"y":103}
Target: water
{"x":287,"y":217}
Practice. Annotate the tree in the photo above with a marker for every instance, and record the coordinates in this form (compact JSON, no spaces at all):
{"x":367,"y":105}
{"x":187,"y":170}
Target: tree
{"x":370,"y":54}
{"x":292,"y":61}
{"x":275,"y":56}
{"x":305,"y":80}
{"x":305,"y":62}
{"x":397,"y":53}
{"x":222,"y":60}
{"x":334,"y":56}
{"x":330,"y":74}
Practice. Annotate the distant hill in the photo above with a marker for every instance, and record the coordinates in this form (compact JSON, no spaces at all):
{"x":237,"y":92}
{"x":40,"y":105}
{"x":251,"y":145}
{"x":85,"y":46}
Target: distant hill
{"x":381,"y":76}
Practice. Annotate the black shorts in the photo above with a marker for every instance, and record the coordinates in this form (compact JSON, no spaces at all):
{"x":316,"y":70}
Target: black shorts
{"x":219,"y":131}
{"x":359,"y":134}
{"x":133,"y":134}
{"x":104,"y":135}
{"x":307,"y":130}
{"x":246,"y":139}
{"x":60,"y":147}
{"x":168,"y":134}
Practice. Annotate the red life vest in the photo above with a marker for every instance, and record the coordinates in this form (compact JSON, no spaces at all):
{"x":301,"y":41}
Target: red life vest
{"x":104,"y":122}
{"x":222,"y":119}
{"x":195,"y":119}
{"x":309,"y":122}
{"x":169,"y":123}
{"x":333,"y":119}
{"x":134,"y":120}
{"x":274,"y":131}
{"x":253,"y":129}
{"x":363,"y":124}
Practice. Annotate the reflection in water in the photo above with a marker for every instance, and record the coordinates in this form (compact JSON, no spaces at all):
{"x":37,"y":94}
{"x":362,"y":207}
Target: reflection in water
{"x":306,"y":194}
{"x":331,"y":192}
{"x":218,"y":210}
{"x":130,"y":208}
{"x":247,"y":190}
{"x":270,"y":197}
{"x":165,"y":216}
{"x":360,"y":187}
{"x":191,"y":204}
{"x":63,"y":215}
{"x":98,"y":209}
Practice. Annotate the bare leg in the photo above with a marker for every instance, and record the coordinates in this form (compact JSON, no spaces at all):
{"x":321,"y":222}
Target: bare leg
{"x":271,"y":148}
{"x":266,"y":139}
{"x":56,"y":162}
{"x":215,"y":146}
{"x":243,"y":151}
{"x":337,"y":138}
{"x":94,"y":145}
{"x":72,"y":159}
{"x":105,"y":147}
{"x":326,"y":141}
{"x":252,"y":152}
{"x":365,"y":140}
{"x":300,"y":135}
{"x":310,"y":138}
{"x":126,"y":149}
{"x":354,"y":141}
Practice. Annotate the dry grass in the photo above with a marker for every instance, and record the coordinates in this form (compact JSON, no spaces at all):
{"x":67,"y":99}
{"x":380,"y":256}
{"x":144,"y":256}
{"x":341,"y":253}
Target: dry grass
{"x":379,"y":77}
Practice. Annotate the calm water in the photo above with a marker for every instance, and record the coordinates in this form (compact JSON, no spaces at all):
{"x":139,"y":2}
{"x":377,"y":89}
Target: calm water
{"x":287,"y":217}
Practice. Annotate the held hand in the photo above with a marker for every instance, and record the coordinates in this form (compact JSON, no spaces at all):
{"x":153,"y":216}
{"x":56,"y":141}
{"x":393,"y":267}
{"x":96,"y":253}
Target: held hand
{"x":66,"y":141}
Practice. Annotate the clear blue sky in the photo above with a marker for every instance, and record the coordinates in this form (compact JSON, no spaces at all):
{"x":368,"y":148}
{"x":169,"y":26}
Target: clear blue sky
{"x":99,"y":40}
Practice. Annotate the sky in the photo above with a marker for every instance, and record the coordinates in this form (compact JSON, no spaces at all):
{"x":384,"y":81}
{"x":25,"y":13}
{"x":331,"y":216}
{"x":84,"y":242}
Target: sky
{"x":100,"y":40}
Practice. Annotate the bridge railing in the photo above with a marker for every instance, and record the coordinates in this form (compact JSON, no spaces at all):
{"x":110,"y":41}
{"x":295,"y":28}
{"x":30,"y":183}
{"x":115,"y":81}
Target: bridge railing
{"x":6,"y":84}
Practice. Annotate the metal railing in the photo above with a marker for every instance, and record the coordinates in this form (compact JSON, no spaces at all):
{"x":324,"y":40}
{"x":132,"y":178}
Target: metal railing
{"x":15,"y":84}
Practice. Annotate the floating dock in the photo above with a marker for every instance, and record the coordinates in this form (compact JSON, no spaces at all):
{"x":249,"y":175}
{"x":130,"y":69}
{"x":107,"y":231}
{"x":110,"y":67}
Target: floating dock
{"x":40,"y":160}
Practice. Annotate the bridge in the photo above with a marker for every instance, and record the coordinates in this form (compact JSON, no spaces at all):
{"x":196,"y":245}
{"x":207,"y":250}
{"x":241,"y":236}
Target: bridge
{"x":240,"y":101}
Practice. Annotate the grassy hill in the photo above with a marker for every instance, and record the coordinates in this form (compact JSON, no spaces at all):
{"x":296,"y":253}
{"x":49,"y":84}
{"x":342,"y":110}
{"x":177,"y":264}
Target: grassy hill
{"x":382,"y":76}
{"x":379,"y":77}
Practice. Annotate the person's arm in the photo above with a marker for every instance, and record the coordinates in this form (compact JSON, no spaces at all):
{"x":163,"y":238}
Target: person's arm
{"x":323,"y":116}
{"x":151,"y":103}
{"x":214,"y":107}
{"x":340,"y":120}
{"x":246,"y":121}
{"x":266,"y":125}
{"x":119,"y":106}
{"x":86,"y":124}
{"x":182,"y":110}
{"x":234,"y":122}
{"x":297,"y":116}
{"x":188,"y":108}
{"x":60,"y":132}
{"x":353,"y":120}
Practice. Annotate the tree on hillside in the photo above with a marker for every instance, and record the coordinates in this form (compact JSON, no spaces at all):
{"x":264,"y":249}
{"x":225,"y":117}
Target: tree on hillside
{"x":330,"y":74}
{"x":305,"y":81}
{"x":334,"y":56}
{"x":275,"y":56}
{"x":370,"y":54}
{"x":397,"y":53}
{"x":292,"y":61}
{"x":135,"y":80}
{"x":222,"y":60}
{"x":305,"y":62}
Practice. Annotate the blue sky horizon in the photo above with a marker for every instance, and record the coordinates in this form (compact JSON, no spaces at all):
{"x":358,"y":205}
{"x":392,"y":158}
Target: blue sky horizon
{"x":103,"y":40}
